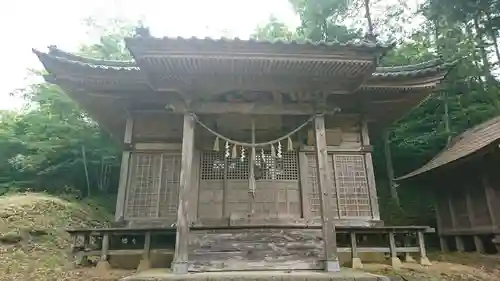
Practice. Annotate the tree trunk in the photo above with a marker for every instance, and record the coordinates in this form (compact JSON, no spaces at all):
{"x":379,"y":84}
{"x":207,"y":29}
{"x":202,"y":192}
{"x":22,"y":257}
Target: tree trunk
{"x":490,"y":81}
{"x":493,"y":36}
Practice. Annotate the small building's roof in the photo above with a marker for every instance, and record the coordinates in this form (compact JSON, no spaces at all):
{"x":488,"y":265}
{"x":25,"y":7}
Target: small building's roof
{"x":466,"y":144}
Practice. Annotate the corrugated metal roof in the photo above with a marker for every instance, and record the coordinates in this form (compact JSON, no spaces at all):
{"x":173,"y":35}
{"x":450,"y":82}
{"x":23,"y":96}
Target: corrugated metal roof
{"x":462,"y":146}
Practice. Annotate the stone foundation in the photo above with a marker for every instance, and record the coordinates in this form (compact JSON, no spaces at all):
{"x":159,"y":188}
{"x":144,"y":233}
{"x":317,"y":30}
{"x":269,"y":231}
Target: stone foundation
{"x":344,"y":274}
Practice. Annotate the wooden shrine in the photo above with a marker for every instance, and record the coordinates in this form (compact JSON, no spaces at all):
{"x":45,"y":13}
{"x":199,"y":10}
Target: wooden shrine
{"x":466,"y":185}
{"x":250,"y":154}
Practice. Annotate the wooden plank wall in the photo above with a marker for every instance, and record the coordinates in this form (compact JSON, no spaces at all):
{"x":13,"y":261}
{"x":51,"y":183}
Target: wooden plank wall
{"x":258,"y":249}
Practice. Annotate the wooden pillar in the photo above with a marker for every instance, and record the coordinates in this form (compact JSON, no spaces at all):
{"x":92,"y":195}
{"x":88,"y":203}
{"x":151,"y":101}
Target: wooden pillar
{"x":180,"y":261}
{"x":407,"y":243}
{"x":443,"y":243}
{"x":459,"y":242}
{"x":395,"y":261}
{"x":145,"y":262}
{"x":325,"y":186}
{"x":124,"y":169}
{"x":470,"y":208}
{"x":439,"y":219}
{"x":390,"y":168}
{"x":370,"y":173}
{"x":103,"y":263}
{"x":356,"y":261}
{"x":490,"y":195}
{"x":478,"y":243}
{"x":424,"y":260}
{"x":251,"y":172}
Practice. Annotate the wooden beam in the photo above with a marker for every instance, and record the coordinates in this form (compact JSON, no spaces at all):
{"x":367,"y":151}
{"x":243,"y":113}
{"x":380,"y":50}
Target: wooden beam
{"x":490,"y":196}
{"x":122,"y":187}
{"x":180,"y":261}
{"x":370,"y":172}
{"x":124,"y":170}
{"x":325,"y":185}
{"x":248,"y":108}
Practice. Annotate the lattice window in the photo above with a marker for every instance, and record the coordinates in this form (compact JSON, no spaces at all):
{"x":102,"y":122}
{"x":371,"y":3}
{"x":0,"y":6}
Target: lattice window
{"x":237,"y":169}
{"x":312,"y":181}
{"x":284,"y":168}
{"x":352,"y":186}
{"x":212,"y":165}
{"x":153,"y":186}
{"x":144,"y":186}
{"x":170,"y":183}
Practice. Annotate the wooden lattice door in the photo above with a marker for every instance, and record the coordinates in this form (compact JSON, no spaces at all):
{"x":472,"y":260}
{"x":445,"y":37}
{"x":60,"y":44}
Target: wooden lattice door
{"x":153,"y":190}
{"x":350,"y":191}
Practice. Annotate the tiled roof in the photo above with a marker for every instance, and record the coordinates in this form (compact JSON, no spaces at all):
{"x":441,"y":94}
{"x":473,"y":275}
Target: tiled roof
{"x":462,"y":146}
{"x":63,"y":57}
{"x":224,"y":40}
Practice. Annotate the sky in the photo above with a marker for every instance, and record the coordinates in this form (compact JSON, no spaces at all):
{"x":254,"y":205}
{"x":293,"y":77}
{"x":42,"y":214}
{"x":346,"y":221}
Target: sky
{"x":28,"y":24}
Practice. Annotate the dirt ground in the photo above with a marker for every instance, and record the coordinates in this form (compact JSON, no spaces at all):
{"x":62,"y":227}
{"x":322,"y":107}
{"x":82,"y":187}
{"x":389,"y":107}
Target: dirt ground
{"x":445,"y":267}
{"x":34,"y":246}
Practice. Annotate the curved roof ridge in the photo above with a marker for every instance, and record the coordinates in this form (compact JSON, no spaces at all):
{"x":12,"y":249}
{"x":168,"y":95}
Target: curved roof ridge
{"x":410,"y":67}
{"x":430,"y":66}
{"x":62,"y":56}
{"x":54,"y":51}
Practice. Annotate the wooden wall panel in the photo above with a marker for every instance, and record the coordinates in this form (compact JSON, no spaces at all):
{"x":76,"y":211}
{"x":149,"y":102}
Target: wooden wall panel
{"x":210,"y":199}
{"x":479,"y":204}
{"x":157,"y":127}
{"x":255,"y":249}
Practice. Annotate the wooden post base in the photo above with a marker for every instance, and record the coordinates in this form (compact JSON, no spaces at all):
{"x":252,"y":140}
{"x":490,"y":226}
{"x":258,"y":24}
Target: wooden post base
{"x":478,"y":243}
{"x":356,"y":263}
{"x":396,"y":263}
{"x":180,"y":268}
{"x":332,"y":266}
{"x":103,"y":266}
{"x":409,"y":259}
{"x":425,"y":261}
{"x":144,"y":265}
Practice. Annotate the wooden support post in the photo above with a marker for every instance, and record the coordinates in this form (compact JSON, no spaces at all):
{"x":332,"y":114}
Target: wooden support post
{"x":325,"y":186}
{"x":439,"y":219}
{"x":395,"y":261}
{"x":251,"y":172}
{"x":407,"y":242}
{"x":470,"y":208}
{"x":443,"y":243}
{"x":145,"y":262}
{"x":370,"y":172}
{"x":478,"y":243}
{"x":180,"y":262}
{"x":124,"y":169}
{"x":491,"y":198}
{"x":459,"y":241}
{"x":103,"y":263}
{"x":424,"y":260}
{"x":390,"y":168}
{"x":356,"y":261}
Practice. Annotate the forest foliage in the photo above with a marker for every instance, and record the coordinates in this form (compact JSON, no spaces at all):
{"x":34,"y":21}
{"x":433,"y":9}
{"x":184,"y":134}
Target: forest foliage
{"x":53,"y":146}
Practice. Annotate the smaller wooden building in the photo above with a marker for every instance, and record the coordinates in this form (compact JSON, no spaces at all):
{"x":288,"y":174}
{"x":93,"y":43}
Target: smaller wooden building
{"x":465,"y":180}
